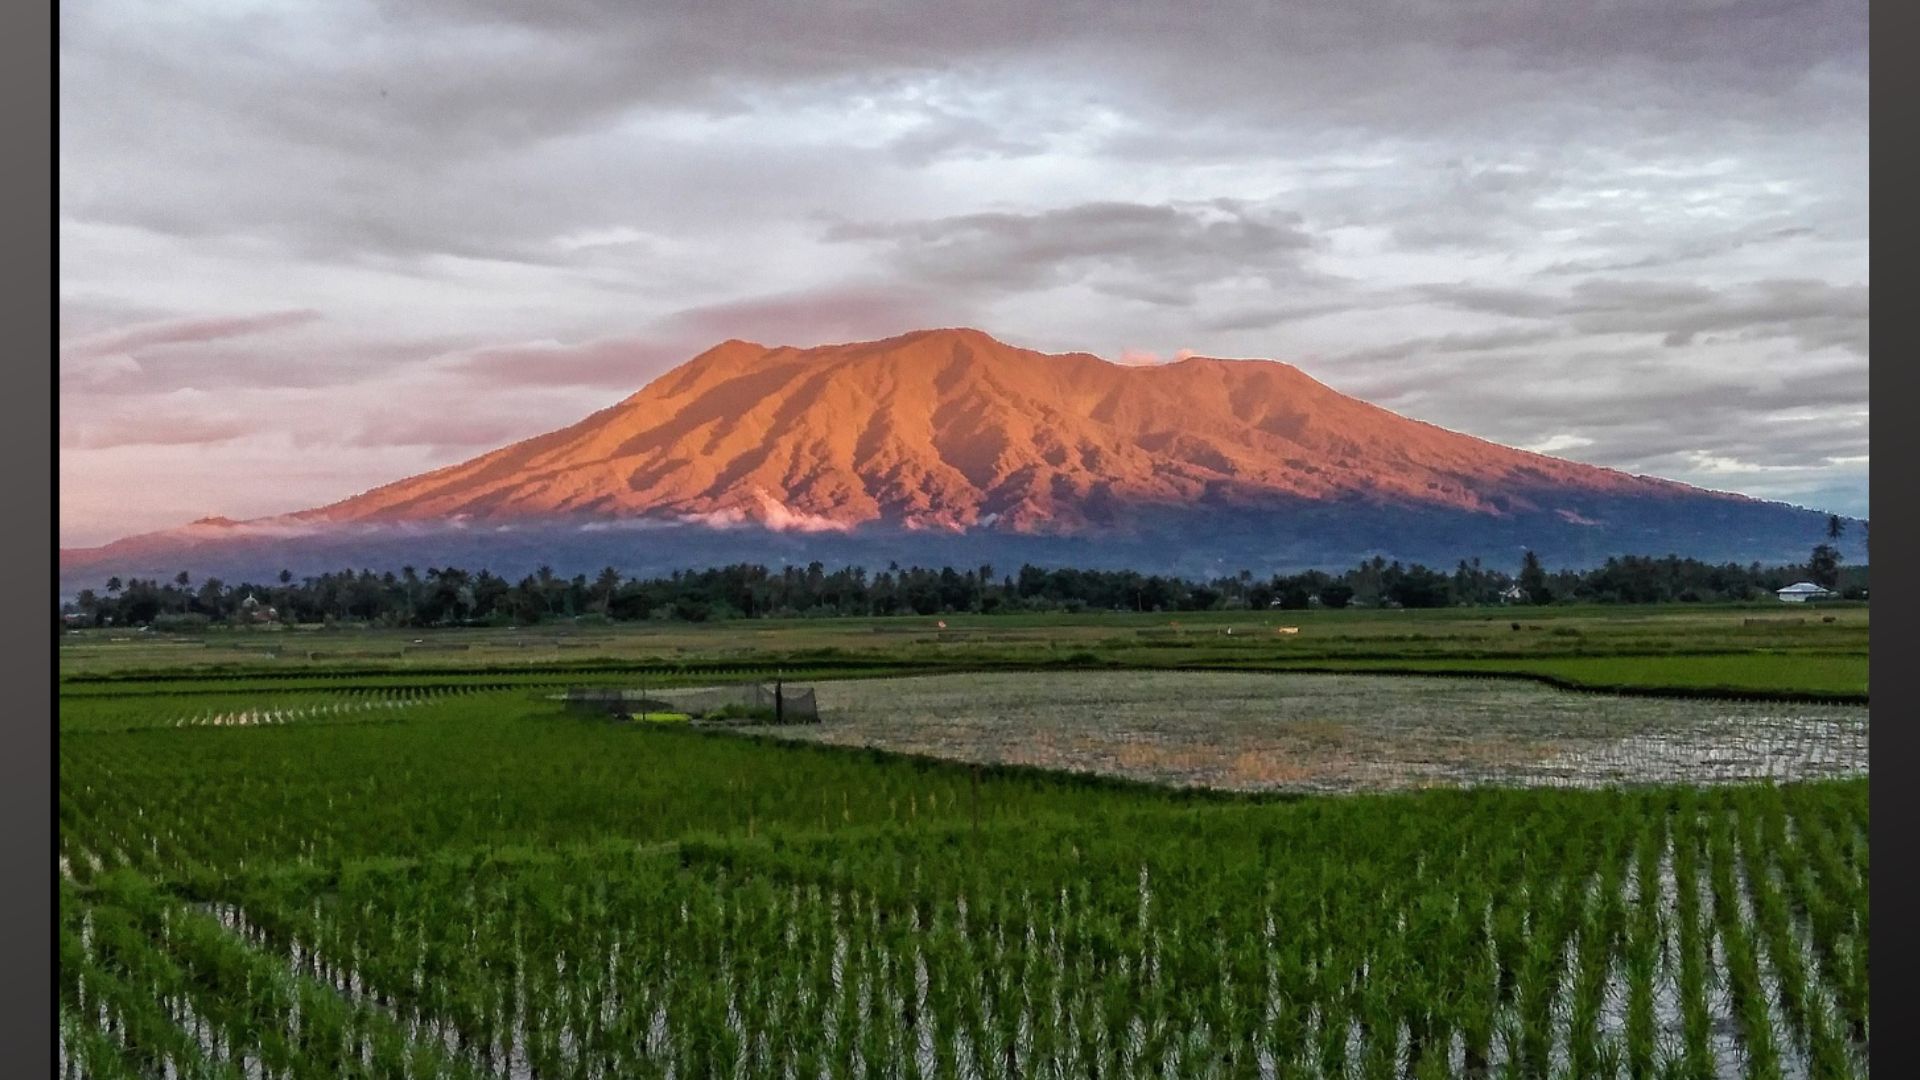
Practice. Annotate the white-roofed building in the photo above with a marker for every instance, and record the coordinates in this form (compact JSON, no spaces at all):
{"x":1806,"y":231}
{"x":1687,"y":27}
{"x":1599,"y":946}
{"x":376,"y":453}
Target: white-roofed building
{"x":1802,"y":591}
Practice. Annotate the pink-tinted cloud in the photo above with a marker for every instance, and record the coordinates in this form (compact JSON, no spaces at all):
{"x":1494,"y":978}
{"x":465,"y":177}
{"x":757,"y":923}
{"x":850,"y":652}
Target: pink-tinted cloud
{"x":166,"y":431}
{"x":1148,"y":358}
{"x":112,"y":492}
{"x":615,"y":363}
{"x":455,"y":429}
{"x":131,"y":339}
{"x":98,"y":371}
{"x":838,"y":314}
{"x":110,"y":360}
{"x":183,"y":418}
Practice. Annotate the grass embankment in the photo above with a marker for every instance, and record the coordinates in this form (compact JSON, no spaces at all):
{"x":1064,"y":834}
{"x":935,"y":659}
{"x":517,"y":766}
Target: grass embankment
{"x":1735,"y":649}
{"x":1811,"y":676}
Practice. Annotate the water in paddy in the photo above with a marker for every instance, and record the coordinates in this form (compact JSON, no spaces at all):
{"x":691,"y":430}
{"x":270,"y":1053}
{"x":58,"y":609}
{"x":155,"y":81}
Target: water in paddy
{"x":1298,"y":732}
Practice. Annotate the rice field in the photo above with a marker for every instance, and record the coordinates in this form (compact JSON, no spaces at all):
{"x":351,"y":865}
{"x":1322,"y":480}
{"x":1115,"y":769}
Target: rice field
{"x":1336,"y":733}
{"x":1088,"y":874}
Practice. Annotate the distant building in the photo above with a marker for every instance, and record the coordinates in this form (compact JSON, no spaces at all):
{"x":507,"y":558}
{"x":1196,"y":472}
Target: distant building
{"x":1802,"y":591}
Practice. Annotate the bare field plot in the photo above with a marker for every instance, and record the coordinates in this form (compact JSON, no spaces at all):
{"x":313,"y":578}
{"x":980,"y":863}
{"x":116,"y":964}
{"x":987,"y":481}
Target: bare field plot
{"x":1290,"y":732}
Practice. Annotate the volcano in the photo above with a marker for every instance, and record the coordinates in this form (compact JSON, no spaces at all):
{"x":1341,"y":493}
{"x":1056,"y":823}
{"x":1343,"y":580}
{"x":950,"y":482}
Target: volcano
{"x":946,"y":445}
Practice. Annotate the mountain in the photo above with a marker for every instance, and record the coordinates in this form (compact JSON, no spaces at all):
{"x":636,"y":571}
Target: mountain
{"x":949,"y":445}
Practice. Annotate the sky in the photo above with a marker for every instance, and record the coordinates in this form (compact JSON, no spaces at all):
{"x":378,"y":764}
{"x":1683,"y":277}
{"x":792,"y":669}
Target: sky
{"x":306,"y":249}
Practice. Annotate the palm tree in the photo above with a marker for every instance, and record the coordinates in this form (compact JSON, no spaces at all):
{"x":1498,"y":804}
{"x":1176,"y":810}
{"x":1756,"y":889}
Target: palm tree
{"x":1823,"y":566}
{"x":210,"y":595}
{"x":545,"y":576}
{"x":1533,"y":579}
{"x":1836,"y":527}
{"x":604,"y":587}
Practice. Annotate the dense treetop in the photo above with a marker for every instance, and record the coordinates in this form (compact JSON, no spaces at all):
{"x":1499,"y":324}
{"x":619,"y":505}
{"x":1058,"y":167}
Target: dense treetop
{"x":454,"y":596}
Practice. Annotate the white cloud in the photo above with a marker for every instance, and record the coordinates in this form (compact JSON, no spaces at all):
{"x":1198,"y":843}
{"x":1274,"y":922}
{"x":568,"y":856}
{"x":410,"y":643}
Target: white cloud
{"x":611,"y":236}
{"x":1561,"y":443}
{"x":771,"y":514}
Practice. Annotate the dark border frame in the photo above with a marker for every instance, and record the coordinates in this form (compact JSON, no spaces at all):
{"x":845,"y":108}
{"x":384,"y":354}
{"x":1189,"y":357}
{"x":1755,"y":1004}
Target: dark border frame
{"x":26,"y":440}
{"x":1896,"y":743}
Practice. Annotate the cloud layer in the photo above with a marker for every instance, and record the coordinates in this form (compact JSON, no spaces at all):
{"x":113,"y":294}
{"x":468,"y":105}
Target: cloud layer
{"x":308,"y":248}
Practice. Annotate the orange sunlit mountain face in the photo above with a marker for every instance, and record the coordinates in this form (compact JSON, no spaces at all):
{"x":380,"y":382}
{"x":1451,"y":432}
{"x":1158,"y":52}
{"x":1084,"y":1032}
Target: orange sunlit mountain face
{"x":951,"y":429}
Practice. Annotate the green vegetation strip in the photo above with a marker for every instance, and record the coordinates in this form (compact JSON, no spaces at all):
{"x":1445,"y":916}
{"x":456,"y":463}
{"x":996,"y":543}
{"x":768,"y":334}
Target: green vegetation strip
{"x":1794,"y":676}
{"x":1758,"y":653}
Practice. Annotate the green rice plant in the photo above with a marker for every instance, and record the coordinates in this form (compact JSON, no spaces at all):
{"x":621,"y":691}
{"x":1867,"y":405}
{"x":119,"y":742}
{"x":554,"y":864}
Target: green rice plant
{"x":1646,"y":947}
{"x":1478,"y":1003}
{"x":1761,"y":831}
{"x":1832,"y":903}
{"x":1743,"y":973}
{"x":1697,"y":1060}
{"x":1593,"y":952}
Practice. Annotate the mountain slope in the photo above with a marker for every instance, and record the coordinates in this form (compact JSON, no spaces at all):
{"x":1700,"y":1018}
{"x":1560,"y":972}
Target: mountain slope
{"x":950,"y":445}
{"x":952,"y":429}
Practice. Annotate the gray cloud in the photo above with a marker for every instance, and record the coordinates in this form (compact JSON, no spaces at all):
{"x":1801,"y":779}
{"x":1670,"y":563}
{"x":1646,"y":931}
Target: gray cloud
{"x":945,"y":135}
{"x":1444,"y":344}
{"x":1686,"y":251}
{"x":579,"y":59}
{"x":1817,"y":314}
{"x":1776,"y":426}
{"x":1156,"y":254}
{"x":1609,"y":221}
{"x":1814,"y":313}
{"x":849,"y":312}
{"x":1267,"y":316}
{"x":1493,"y":300}
{"x":1465,"y":206}
{"x":615,"y":364}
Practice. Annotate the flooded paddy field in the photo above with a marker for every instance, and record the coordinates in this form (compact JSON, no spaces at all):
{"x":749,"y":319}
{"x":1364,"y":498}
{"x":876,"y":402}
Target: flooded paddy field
{"x":1336,"y":733}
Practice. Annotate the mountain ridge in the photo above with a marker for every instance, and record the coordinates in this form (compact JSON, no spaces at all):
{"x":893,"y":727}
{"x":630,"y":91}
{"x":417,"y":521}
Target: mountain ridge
{"x":944,"y":428}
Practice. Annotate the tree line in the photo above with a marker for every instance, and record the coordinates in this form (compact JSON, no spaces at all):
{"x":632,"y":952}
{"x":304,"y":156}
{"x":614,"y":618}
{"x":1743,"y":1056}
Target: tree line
{"x":448,"y":596}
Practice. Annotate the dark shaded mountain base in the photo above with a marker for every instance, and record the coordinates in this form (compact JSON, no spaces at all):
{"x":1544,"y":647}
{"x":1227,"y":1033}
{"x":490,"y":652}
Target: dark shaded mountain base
{"x":1198,"y":543}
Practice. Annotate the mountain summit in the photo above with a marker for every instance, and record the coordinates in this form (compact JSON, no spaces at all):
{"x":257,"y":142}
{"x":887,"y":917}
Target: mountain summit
{"x":949,"y":444}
